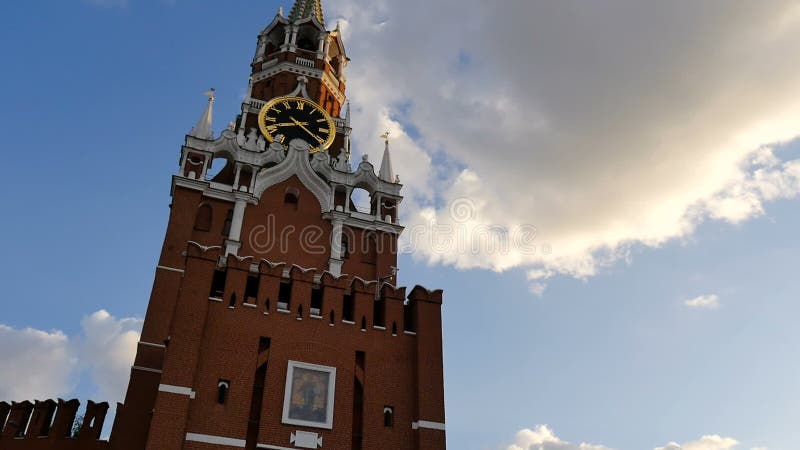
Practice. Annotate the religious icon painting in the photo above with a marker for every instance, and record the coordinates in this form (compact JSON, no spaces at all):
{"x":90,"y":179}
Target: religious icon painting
{"x":309,"y":396}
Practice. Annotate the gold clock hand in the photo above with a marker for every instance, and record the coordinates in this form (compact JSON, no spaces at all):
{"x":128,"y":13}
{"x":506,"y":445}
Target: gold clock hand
{"x":305,"y":129}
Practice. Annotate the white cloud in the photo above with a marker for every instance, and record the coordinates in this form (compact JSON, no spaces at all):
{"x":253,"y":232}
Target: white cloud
{"x":543,"y":438}
{"x":39,"y":364}
{"x":35,"y":364}
{"x":703,"y":302}
{"x":107,"y":352}
{"x":713,"y":442}
{"x":602,"y":127}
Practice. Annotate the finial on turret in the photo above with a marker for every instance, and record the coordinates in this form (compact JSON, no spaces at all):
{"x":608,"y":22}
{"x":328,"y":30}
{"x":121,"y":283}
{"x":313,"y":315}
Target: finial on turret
{"x":347,"y":116}
{"x":203,"y":128}
{"x":386,"y":173}
{"x":280,"y":11}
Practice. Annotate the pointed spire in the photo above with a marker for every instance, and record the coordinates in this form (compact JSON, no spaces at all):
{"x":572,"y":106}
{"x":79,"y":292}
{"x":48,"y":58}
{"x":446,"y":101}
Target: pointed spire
{"x":307,"y":8}
{"x":203,"y":128}
{"x":386,"y":173}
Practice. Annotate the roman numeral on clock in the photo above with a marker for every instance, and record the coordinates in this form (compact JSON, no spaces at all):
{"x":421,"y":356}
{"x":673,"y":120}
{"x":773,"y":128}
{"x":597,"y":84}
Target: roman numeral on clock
{"x":270,"y":119}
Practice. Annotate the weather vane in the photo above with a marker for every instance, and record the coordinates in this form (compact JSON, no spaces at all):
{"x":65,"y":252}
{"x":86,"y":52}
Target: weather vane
{"x":385,"y":137}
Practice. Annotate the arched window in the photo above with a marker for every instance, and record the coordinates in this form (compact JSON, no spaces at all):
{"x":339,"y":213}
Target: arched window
{"x":370,"y":251}
{"x":222,"y":391}
{"x":388,"y":416}
{"x":202,"y":221}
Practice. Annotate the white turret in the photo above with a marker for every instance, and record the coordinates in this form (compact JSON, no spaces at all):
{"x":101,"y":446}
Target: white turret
{"x":203,"y":128}
{"x":386,"y":173}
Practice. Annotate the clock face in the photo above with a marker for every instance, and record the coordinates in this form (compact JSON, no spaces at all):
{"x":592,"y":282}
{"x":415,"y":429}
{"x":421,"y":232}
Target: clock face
{"x":297,"y":118}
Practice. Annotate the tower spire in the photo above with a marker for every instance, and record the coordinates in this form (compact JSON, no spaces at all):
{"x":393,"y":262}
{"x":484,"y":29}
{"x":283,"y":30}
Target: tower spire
{"x":203,"y":128}
{"x":303,"y":9}
{"x":386,"y":173}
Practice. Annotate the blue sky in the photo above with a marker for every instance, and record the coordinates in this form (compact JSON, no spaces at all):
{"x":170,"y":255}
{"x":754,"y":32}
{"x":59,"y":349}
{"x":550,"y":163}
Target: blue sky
{"x":98,"y":96}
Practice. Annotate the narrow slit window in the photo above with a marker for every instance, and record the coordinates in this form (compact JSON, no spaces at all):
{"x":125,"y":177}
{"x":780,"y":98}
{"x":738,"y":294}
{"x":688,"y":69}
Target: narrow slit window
{"x":223,"y":387}
{"x":388,"y":416}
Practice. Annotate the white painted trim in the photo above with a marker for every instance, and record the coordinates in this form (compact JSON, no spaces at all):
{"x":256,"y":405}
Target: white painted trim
{"x":170,"y":269}
{"x":180,"y":390}
{"x":296,"y":163}
{"x":428,"y":425}
{"x":215,"y":299}
{"x":150,"y":344}
{"x":348,"y":322}
{"x":410,"y":333}
{"x":218,"y":440}
{"x":145,"y":369}
{"x":250,"y":305}
{"x":378,"y":327}
{"x":284,"y":311}
{"x":273,"y":447}
{"x":315,"y":317}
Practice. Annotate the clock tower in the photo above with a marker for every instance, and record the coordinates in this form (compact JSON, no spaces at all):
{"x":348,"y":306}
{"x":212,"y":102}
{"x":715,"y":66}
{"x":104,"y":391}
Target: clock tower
{"x":275,"y":319}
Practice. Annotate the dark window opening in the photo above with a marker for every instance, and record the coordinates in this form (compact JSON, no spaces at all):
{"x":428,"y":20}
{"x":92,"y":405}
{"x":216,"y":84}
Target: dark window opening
{"x":349,"y":308}
{"x":409,"y":317}
{"x":232,"y":303}
{"x":306,"y":44}
{"x":363,"y":323}
{"x":292,"y":197}
{"x":345,"y":246}
{"x":218,"y":284}
{"x":333,"y":316}
{"x":394,"y":328}
{"x":266,"y":305}
{"x":379,"y":313}
{"x":388,"y":416}
{"x":300,"y":312}
{"x":285,"y":296}
{"x":222,"y":391}
{"x":251,"y":290}
{"x":226,"y":229}
{"x":202,"y":221}
{"x":316,"y":302}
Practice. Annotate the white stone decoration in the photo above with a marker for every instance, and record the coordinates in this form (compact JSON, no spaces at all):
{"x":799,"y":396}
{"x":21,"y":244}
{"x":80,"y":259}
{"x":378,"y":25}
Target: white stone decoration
{"x":305,"y":439}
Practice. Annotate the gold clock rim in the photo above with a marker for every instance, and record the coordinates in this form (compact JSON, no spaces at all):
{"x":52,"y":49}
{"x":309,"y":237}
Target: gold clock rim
{"x":263,"y":113}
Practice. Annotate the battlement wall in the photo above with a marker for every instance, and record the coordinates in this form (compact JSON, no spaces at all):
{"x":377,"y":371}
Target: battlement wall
{"x":52,"y":424}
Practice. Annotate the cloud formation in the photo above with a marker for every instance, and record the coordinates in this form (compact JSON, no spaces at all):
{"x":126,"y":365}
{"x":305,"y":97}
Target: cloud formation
{"x":39,"y":364}
{"x":35,"y":364}
{"x":543,"y":438}
{"x":604,"y":125}
{"x":712,"y":442}
{"x":107,"y":352}
{"x":703,"y":302}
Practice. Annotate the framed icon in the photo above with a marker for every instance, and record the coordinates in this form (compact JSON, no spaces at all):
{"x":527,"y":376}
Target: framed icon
{"x":309,"y":396}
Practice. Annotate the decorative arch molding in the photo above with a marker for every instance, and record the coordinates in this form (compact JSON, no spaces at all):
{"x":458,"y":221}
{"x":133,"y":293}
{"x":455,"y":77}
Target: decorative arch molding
{"x":279,"y":20}
{"x":296,"y":163}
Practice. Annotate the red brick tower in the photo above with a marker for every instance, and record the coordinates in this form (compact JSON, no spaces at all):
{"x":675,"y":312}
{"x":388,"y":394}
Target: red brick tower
{"x":274,"y":321}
